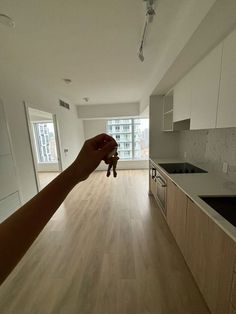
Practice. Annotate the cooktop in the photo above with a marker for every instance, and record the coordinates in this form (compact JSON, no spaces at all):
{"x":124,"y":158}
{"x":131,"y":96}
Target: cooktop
{"x":182,"y":167}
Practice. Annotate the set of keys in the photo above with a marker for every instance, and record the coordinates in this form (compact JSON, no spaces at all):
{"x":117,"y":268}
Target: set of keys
{"x":112,"y":163}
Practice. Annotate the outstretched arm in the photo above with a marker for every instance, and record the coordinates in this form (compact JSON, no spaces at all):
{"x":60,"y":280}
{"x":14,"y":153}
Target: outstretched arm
{"x":18,"y":232}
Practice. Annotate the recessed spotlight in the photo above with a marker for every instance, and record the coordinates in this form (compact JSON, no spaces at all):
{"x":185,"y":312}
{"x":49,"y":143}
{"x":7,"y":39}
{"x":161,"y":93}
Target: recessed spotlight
{"x":86,"y":99}
{"x":6,"y":20}
{"x":67,"y":80}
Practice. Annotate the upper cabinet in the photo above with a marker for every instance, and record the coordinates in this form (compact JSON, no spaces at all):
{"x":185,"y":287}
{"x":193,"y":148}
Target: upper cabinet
{"x":207,"y":94}
{"x":182,"y":99}
{"x":168,"y":112}
{"x":205,"y":90}
{"x":227,"y":98}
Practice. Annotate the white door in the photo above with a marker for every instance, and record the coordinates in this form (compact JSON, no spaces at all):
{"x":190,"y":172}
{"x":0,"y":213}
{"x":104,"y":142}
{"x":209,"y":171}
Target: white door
{"x":9,"y":196}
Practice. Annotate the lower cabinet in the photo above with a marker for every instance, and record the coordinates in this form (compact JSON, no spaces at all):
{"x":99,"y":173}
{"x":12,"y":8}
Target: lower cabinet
{"x":210,"y":255}
{"x":208,"y":251}
{"x":176,"y":214}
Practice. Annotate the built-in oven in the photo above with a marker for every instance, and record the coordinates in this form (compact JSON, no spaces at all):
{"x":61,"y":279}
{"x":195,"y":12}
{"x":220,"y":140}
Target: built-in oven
{"x":161,"y":188}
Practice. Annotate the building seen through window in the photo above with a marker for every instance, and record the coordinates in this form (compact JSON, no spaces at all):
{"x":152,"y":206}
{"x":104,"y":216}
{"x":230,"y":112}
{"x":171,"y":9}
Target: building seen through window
{"x":132,"y":136}
{"x":45,"y":142}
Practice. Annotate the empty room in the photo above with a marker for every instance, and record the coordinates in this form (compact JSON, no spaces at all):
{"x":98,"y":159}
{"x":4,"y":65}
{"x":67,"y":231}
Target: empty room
{"x":118,"y":157}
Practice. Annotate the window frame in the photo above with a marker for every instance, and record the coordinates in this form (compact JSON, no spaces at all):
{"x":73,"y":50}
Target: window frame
{"x":126,"y":133}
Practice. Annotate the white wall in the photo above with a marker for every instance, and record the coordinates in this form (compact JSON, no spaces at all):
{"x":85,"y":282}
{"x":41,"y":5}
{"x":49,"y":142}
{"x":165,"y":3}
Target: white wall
{"x":108,"y":111}
{"x":162,"y":144}
{"x":95,"y":127}
{"x":14,"y":90}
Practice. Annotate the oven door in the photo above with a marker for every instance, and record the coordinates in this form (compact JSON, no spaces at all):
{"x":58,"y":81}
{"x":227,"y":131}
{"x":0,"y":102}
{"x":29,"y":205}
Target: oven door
{"x":161,"y":192}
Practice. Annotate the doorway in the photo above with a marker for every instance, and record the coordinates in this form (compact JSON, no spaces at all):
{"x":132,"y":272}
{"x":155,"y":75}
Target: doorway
{"x":44,"y":140}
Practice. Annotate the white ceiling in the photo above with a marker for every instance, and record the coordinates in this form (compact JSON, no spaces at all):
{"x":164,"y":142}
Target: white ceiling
{"x":94,"y":43}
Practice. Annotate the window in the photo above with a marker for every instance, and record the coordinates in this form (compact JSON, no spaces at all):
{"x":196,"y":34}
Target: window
{"x":45,"y":141}
{"x":133,"y":137}
{"x":126,"y":128}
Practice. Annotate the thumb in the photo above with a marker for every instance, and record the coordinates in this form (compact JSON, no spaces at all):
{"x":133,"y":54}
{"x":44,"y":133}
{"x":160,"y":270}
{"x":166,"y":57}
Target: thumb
{"x":107,"y":149}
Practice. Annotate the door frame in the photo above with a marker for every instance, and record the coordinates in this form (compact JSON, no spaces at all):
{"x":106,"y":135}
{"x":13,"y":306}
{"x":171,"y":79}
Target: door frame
{"x":32,"y":146}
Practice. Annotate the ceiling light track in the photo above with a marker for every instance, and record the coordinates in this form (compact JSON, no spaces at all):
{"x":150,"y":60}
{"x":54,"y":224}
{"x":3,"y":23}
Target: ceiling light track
{"x":150,"y":13}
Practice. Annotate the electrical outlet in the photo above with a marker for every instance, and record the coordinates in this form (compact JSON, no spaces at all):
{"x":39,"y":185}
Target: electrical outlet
{"x":225,"y":167}
{"x":185,"y":155}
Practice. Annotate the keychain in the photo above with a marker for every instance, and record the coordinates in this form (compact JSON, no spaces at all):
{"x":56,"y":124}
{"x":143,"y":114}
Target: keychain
{"x":112,"y":160}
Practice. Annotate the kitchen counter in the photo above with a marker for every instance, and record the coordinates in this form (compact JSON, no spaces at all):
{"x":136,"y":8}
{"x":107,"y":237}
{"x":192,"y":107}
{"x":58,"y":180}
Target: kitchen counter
{"x":203,"y":184}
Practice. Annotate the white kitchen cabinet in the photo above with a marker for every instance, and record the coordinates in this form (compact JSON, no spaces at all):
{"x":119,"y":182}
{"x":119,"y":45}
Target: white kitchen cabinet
{"x":182,"y":98}
{"x":168,"y":112}
{"x":205,"y":90}
{"x":227,"y":98}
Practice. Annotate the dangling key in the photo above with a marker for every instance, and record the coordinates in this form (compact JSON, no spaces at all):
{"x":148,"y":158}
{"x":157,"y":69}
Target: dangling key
{"x":114,"y":164}
{"x":112,"y":159}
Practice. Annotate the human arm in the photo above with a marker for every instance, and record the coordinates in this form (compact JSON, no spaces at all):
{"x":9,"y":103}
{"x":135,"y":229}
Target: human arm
{"x":18,"y":232}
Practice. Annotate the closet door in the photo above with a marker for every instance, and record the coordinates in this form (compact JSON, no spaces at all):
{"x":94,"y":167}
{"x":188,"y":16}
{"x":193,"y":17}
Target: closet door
{"x":9,"y":196}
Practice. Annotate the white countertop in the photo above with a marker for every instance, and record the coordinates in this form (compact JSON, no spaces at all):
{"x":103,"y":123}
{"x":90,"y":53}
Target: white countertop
{"x":203,"y":184}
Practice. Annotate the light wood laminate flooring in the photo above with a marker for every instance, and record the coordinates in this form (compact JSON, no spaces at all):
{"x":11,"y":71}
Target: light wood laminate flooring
{"x":46,"y":177}
{"x":107,"y":250}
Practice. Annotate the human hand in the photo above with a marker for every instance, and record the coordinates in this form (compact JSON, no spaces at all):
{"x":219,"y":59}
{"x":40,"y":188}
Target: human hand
{"x":92,"y":153}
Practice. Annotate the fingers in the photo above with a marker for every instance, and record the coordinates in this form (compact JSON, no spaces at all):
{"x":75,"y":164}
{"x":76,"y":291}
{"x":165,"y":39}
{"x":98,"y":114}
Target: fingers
{"x":108,"y":148}
{"x":101,"y":140}
{"x":104,"y":143}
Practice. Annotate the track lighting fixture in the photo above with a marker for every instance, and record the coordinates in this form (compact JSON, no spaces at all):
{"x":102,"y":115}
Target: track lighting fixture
{"x":150,"y":12}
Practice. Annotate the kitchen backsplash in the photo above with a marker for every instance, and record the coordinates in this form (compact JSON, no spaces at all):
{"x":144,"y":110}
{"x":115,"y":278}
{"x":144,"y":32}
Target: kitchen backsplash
{"x":213,"y":147}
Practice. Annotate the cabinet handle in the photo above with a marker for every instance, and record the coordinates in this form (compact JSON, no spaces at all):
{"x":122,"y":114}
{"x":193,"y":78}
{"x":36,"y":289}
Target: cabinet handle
{"x":161,"y":182}
{"x":153,"y":173}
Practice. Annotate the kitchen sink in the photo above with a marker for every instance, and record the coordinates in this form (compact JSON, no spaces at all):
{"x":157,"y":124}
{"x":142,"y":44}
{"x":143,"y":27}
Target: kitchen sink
{"x":182,"y":167}
{"x":224,"y":205}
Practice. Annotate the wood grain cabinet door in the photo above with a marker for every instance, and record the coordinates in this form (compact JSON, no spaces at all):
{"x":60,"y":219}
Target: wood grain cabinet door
{"x":176,"y":214}
{"x":220,"y":266}
{"x":210,"y":255}
{"x":197,"y":243}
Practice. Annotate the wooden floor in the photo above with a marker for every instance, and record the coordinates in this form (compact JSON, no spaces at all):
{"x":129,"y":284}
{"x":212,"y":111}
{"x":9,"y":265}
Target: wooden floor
{"x":107,"y":250}
{"x":46,"y":177}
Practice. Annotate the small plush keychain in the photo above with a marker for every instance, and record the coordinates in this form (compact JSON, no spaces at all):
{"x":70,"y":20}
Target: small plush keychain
{"x":112,"y":162}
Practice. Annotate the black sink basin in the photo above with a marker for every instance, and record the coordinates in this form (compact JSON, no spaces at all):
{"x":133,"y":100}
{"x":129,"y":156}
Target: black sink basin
{"x":182,"y":167}
{"x":224,"y":205}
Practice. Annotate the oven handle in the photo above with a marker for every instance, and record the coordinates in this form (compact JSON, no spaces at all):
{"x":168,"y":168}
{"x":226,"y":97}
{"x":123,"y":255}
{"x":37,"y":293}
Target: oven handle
{"x":161,"y":181}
